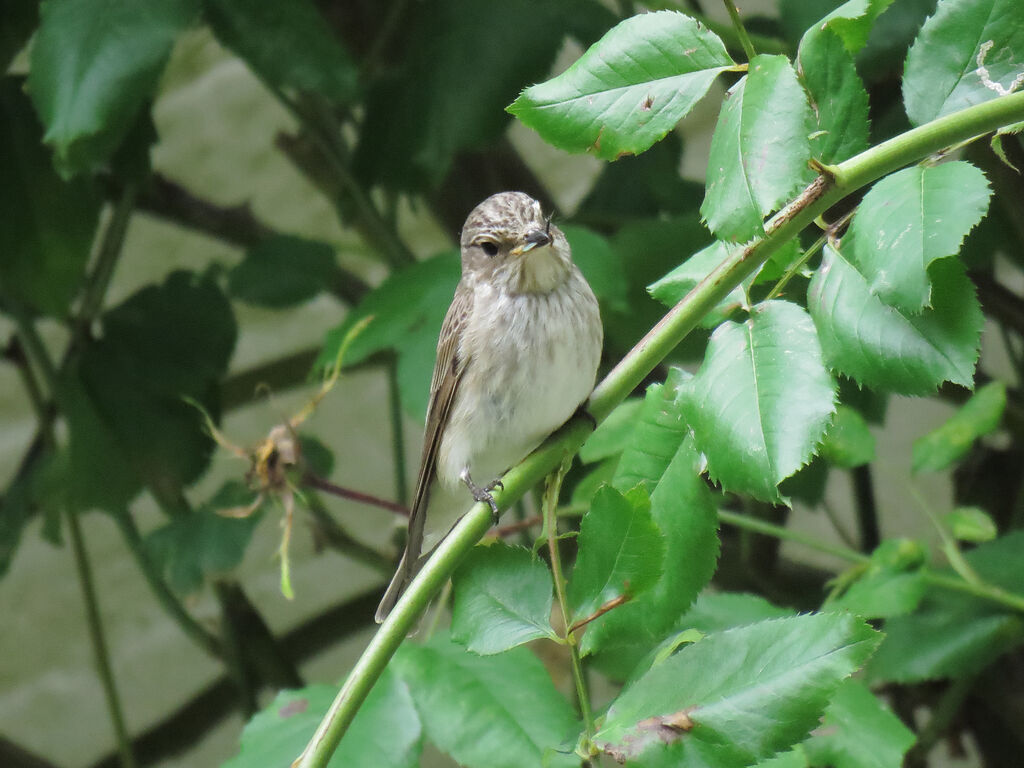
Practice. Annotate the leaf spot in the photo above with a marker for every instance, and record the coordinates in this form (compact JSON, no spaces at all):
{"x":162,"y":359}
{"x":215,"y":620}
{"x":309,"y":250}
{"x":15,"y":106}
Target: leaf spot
{"x":296,"y":707}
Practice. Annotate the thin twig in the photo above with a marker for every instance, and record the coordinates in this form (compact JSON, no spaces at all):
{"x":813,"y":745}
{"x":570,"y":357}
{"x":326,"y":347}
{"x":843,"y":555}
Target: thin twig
{"x":336,"y":490}
{"x":550,"y":504}
{"x":615,"y":602}
{"x":99,"y":644}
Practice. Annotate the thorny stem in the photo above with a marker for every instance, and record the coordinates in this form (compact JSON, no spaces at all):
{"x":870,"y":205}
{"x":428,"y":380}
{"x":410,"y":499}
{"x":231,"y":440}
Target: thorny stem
{"x":550,"y":504}
{"x":741,"y":32}
{"x":835,"y":183}
{"x":99,"y":643}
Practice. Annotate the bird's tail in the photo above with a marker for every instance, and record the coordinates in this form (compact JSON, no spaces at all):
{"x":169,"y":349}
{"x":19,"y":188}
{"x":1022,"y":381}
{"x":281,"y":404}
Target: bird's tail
{"x":403,"y":575}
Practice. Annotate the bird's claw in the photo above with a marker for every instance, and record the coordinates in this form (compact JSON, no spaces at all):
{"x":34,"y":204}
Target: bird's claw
{"x":483,"y":493}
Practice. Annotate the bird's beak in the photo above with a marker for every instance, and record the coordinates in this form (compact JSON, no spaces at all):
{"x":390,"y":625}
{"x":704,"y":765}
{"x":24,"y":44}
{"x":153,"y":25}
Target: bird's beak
{"x":534,"y":238}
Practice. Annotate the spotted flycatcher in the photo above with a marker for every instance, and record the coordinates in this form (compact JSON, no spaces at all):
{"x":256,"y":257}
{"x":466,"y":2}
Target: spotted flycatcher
{"x":517,"y":355}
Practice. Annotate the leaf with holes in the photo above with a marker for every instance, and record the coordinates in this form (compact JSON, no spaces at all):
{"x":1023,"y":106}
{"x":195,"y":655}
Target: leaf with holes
{"x":967,"y":53}
{"x":761,"y":400}
{"x":910,"y":219}
{"x":759,"y":150}
{"x":629,"y":89}
{"x":880,"y":347}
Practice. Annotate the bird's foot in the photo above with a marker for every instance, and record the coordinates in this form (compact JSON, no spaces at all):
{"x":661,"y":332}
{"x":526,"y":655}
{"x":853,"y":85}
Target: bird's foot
{"x":483,"y":493}
{"x":583,"y":413}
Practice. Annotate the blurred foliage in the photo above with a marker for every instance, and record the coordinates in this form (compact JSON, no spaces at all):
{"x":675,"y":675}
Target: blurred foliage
{"x":681,"y":599}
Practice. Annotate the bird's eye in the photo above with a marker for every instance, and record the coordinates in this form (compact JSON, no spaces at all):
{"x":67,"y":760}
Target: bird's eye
{"x":489,"y":247}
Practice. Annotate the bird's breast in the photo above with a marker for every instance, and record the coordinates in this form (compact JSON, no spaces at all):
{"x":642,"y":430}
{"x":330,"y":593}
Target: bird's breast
{"x":531,"y":361}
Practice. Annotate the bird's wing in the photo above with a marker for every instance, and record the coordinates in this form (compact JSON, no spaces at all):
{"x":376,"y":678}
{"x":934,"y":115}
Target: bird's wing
{"x":448,"y":371}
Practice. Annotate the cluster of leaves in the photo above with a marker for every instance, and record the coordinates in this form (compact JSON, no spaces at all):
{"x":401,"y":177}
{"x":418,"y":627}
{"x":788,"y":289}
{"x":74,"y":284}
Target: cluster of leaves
{"x":797,"y":363}
{"x":733,"y":680}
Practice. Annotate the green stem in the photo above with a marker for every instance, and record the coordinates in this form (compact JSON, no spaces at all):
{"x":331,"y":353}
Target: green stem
{"x":103,"y":270}
{"x":170,"y":603}
{"x":949,"y":545}
{"x":550,"y":504}
{"x":796,"y":267}
{"x":397,"y":436}
{"x":99,"y":643}
{"x":757,"y":525}
{"x":823,"y":193}
{"x":36,"y":351}
{"x":741,"y":32}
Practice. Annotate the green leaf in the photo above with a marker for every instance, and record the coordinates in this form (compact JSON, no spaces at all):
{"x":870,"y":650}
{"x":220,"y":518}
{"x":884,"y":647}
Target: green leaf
{"x":629,"y":89}
{"x":848,"y":442}
{"x":954,"y":634}
{"x":599,"y":474}
{"x":487,"y":711}
{"x":719,"y":611}
{"x":967,"y":53}
{"x":283,"y":271}
{"x":852,"y":21}
{"x":658,"y":431}
{"x":612,"y":435}
{"x":684,"y":511}
{"x":979,"y":416}
{"x":41,"y":265}
{"x":195,"y":547}
{"x":859,"y":731}
{"x":761,"y":400}
{"x":20,"y":19}
{"x":502,"y":599}
{"x":671,"y":288}
{"x":129,"y":424}
{"x":416,"y":122}
{"x":759,"y":150}
{"x":289,"y":45}
{"x":907,"y":221}
{"x":882,"y":594}
{"x":94,"y":64}
{"x":880,"y":347}
{"x":971,"y":524}
{"x":838,"y":97}
{"x":600,"y":264}
{"x":277,"y":734}
{"x":621,"y":550}
{"x":779,"y":674}
{"x":407,"y":310}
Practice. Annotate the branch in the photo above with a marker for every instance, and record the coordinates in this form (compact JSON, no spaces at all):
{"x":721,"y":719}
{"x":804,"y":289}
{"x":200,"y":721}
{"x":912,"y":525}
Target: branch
{"x":828,"y":189}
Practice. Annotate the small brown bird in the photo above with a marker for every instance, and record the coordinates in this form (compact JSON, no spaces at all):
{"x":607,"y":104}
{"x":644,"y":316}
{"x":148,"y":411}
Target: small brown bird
{"x":517,"y":355}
